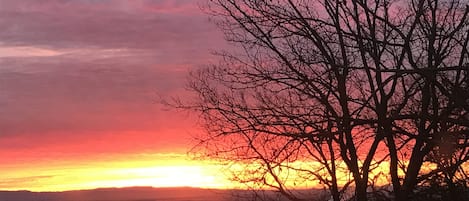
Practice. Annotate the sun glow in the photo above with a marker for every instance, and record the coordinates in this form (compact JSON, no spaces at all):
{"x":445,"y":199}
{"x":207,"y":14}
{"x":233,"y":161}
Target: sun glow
{"x":167,"y":176}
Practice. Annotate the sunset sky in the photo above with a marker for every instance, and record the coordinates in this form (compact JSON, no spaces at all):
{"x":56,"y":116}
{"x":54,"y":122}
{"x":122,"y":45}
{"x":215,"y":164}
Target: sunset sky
{"x":79,"y":88}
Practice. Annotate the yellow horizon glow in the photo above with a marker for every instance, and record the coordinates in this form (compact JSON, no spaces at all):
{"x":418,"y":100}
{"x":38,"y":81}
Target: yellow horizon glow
{"x":157,"y":170}
{"x":154,"y":170}
{"x":174,"y":170}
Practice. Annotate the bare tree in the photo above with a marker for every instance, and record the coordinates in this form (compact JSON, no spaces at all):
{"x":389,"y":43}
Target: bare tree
{"x":332,"y":90}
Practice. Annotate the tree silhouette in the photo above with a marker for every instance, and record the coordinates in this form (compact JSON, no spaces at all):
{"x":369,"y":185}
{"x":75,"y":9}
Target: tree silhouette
{"x":334,"y":90}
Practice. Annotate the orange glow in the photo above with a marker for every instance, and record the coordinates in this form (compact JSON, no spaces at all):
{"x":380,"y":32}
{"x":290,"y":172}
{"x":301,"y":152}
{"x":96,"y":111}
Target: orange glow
{"x":293,"y":179}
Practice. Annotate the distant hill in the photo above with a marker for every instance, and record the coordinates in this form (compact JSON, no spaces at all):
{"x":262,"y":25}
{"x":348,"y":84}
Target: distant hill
{"x":120,"y":194}
{"x":140,"y":194}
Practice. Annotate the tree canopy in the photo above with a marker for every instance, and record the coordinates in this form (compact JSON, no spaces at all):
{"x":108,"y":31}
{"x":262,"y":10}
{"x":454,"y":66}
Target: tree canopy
{"x":351,"y":94}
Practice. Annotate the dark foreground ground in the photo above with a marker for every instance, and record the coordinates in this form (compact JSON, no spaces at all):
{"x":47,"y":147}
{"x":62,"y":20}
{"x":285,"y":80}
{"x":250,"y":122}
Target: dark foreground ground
{"x":140,"y":194}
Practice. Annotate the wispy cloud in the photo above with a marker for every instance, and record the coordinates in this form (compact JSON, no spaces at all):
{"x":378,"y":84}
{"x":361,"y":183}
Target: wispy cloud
{"x":7,"y":183}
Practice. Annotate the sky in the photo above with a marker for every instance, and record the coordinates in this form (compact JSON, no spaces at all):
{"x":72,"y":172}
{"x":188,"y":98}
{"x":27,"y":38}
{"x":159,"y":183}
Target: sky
{"x":80,"y":83}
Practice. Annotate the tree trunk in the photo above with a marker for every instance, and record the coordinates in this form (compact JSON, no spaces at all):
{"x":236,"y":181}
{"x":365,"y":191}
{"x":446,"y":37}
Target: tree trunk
{"x":360,"y":191}
{"x":335,"y":192}
{"x":412,"y":173}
